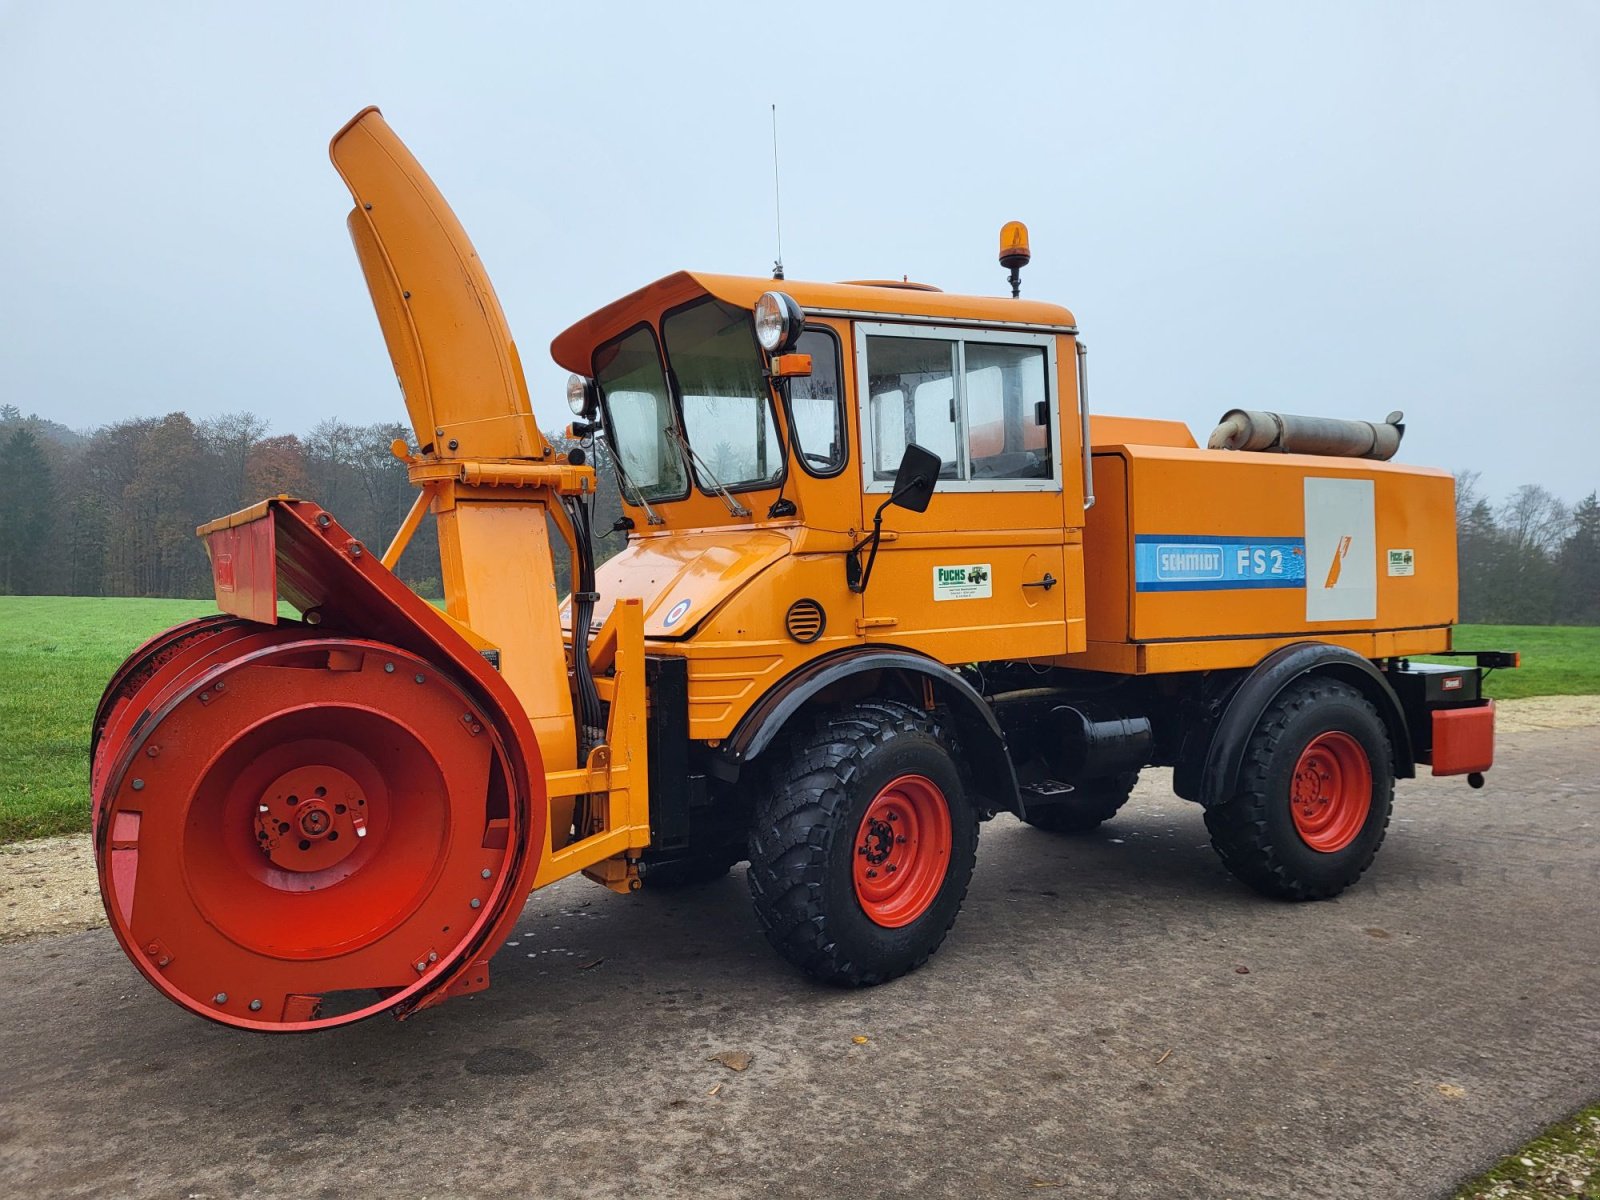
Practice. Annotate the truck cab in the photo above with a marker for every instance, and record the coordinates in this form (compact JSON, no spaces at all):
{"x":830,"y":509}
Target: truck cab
{"x":727,"y":467}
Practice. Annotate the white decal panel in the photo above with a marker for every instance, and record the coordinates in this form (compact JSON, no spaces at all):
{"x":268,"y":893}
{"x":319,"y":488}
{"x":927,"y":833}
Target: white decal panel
{"x":1341,"y":550}
{"x":1402,"y":562}
{"x":972,"y":582}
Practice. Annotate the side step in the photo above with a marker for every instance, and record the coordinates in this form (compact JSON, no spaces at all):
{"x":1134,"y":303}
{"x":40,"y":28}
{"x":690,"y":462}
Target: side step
{"x":1044,"y":794}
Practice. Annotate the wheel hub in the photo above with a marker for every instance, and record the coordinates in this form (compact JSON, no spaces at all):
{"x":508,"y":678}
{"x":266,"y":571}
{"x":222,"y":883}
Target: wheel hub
{"x":310,"y":818}
{"x":877,"y":842}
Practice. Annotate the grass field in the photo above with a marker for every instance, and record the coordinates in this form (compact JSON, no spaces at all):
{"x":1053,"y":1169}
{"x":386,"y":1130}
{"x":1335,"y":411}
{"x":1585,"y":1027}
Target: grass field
{"x":1557,"y":660}
{"x":55,"y":657}
{"x":57,"y":652}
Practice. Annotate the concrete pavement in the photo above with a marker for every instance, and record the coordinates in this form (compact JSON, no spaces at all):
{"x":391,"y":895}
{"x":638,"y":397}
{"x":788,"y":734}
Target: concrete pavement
{"x":1111,"y":1016}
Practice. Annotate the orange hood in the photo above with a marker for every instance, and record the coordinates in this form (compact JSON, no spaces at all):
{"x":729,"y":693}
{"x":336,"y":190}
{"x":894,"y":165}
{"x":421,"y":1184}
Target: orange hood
{"x":683,"y":577}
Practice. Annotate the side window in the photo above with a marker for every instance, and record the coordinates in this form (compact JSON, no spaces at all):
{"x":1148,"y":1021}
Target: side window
{"x":983,"y":406}
{"x":1005,"y":397}
{"x":911,"y":398}
{"x":816,"y":406}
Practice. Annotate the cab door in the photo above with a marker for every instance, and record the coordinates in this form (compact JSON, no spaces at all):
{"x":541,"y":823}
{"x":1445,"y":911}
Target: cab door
{"x":985,"y":573}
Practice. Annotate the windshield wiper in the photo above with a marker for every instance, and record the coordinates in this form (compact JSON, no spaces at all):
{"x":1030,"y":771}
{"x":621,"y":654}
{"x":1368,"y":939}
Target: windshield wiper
{"x":700,"y":467}
{"x":651,"y":517}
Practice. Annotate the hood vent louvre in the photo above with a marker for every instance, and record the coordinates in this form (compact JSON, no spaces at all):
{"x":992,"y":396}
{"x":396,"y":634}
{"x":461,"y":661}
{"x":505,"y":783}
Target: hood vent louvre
{"x":805,"y":621}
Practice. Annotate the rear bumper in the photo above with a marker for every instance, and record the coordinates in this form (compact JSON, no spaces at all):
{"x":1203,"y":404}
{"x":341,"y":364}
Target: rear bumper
{"x":1463,"y":739}
{"x":1451,"y":721}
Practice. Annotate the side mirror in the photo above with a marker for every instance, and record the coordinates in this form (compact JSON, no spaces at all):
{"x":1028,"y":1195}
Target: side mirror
{"x":915,"y":479}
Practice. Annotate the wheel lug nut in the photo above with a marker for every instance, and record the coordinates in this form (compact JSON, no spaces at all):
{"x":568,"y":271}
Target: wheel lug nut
{"x":872,"y":874}
{"x":901,"y":840}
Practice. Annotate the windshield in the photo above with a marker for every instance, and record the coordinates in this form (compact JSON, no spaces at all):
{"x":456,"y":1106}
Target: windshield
{"x":727,"y":407}
{"x":634,"y":388}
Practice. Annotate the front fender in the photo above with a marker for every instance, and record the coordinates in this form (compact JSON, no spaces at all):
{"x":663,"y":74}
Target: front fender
{"x":983,"y":746}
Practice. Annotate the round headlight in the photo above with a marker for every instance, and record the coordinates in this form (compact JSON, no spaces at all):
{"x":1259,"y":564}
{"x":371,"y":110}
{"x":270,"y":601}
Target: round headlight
{"x":778,"y":322}
{"x":578,"y":395}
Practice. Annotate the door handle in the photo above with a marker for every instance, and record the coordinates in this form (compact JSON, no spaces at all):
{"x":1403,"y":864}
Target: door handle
{"x":1049,"y":581}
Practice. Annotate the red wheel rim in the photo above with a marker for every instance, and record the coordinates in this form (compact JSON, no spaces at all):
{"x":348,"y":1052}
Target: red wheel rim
{"x":902,"y":851}
{"x":1330,"y":793}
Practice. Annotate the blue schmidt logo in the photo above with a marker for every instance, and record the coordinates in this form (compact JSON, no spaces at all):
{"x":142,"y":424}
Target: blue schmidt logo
{"x":1182,"y":563}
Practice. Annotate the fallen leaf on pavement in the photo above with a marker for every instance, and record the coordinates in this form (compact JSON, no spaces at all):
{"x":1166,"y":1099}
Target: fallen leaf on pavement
{"x":734,"y":1060}
{"x":1451,"y":1092}
{"x":587,"y":965}
{"x":1241,"y":970}
{"x":859,"y":1040}
{"x":714,"y":1090}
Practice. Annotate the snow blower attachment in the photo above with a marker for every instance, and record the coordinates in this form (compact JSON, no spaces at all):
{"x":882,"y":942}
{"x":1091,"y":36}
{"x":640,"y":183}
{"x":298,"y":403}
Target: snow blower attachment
{"x":298,"y":826}
{"x":332,"y":798}
{"x":300,"y":823}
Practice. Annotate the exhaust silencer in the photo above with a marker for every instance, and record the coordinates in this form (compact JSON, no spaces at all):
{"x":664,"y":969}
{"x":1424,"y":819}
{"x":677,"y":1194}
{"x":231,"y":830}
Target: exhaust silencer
{"x":1284,"y":433}
{"x":1087,"y":744}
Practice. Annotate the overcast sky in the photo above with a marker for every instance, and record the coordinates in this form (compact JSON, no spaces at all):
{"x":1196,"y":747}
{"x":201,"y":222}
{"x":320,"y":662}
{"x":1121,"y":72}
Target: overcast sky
{"x":1336,"y":209}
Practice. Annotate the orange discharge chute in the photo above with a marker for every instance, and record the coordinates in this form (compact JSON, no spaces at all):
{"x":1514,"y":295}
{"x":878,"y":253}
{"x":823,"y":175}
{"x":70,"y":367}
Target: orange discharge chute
{"x":298,"y":825}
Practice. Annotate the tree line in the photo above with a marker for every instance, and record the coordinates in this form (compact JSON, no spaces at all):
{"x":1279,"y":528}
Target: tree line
{"x":1529,"y":560}
{"x":113,"y":512}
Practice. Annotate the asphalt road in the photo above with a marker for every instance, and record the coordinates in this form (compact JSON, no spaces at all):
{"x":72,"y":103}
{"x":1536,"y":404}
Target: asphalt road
{"x":1085,"y":1031}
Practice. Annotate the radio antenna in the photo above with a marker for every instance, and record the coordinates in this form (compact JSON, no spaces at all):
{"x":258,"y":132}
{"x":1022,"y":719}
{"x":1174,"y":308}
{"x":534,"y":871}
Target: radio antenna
{"x":777,"y":196}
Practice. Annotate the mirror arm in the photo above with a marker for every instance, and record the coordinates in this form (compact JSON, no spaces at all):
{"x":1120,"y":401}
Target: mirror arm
{"x":855,"y":576}
{"x":782,"y":506}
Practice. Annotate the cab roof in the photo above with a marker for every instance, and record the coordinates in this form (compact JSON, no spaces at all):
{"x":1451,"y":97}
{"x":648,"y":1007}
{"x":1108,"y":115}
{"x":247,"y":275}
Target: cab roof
{"x":574,"y":348}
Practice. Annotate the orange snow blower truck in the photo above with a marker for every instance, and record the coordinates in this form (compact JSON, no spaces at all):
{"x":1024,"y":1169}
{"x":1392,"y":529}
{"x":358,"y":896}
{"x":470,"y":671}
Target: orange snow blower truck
{"x":885,"y":577}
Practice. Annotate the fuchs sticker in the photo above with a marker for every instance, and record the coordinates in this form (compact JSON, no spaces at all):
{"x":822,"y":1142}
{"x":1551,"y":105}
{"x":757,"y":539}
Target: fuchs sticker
{"x":963,"y":583}
{"x":676,"y":615}
{"x":1402,"y":562}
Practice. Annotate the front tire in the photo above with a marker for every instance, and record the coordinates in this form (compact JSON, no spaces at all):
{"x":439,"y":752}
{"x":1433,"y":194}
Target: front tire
{"x":862,"y":850}
{"x":1315,"y":791}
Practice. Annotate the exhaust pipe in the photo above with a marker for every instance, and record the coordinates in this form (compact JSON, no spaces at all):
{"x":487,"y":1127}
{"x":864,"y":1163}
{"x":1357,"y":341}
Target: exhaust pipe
{"x":1284,"y":433}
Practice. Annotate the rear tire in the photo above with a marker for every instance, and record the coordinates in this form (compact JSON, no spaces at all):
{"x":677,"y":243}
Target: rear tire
{"x":862,"y":850}
{"x":1315,"y":791}
{"x":1090,"y":804}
